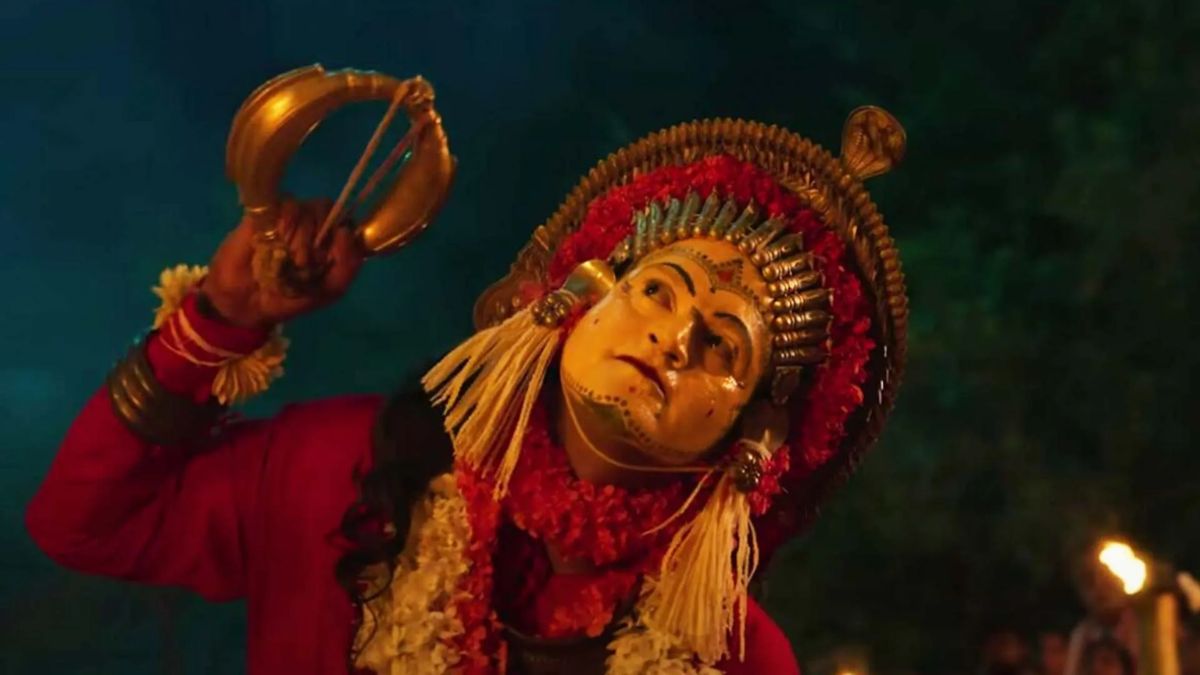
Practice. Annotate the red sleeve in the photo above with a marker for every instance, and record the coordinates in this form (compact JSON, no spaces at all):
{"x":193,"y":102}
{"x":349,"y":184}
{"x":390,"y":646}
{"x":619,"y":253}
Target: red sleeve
{"x":115,"y":505}
{"x":767,"y":648}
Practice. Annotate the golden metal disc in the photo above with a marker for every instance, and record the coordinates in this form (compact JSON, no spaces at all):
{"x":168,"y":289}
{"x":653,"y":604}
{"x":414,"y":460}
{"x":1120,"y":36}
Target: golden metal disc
{"x":274,"y":121}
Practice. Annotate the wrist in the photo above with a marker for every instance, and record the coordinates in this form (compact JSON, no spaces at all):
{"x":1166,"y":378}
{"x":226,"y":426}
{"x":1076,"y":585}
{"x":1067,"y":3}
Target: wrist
{"x":219,"y":309}
{"x":212,"y":326}
{"x":206,"y":308}
{"x":190,"y":346}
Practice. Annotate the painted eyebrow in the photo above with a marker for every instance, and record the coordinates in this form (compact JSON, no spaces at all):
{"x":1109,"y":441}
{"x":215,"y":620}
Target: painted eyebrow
{"x":687,"y":279}
{"x":740,"y":325}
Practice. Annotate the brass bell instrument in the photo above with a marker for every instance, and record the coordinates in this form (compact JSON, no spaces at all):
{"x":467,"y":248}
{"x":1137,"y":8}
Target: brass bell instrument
{"x":276,"y":118}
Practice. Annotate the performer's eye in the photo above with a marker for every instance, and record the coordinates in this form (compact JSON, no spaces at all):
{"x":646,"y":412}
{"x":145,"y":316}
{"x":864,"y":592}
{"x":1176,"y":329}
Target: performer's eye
{"x":713,"y":340}
{"x":659,"y":293}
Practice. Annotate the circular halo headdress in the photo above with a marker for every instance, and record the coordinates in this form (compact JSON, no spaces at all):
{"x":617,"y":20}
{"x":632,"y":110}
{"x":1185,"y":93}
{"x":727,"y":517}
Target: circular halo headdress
{"x":838,"y":314}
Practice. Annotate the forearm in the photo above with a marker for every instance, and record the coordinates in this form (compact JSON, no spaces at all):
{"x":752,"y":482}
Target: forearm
{"x":100,"y":482}
{"x":110,"y":492}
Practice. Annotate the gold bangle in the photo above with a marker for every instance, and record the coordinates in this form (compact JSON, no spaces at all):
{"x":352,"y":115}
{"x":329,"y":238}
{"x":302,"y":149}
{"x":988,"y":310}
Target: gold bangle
{"x":152,"y":412}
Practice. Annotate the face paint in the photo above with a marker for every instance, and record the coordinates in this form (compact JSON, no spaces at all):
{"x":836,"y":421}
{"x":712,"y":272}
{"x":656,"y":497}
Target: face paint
{"x":668,"y":359}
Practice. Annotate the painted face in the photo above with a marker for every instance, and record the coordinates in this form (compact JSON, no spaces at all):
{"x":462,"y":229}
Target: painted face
{"x":665,"y":363}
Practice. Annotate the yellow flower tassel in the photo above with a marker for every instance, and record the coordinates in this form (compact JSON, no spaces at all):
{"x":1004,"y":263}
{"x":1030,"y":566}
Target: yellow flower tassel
{"x":238,"y":376}
{"x":252,"y":374}
{"x":173,"y":285}
{"x":488,"y":386}
{"x":702,"y":587}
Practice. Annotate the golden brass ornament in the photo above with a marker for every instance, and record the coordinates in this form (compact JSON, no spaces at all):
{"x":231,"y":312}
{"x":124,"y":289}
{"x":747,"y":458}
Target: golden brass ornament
{"x":151,"y":411}
{"x":588,"y":282}
{"x":873,"y":142}
{"x":276,"y":118}
{"x":764,"y":427}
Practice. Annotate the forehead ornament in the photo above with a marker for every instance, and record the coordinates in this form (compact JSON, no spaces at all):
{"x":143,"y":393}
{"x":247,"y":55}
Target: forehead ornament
{"x":797,"y":307}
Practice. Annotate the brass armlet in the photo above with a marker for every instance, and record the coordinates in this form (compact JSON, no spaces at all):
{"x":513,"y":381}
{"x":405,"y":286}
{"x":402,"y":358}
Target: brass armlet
{"x":156,"y":415}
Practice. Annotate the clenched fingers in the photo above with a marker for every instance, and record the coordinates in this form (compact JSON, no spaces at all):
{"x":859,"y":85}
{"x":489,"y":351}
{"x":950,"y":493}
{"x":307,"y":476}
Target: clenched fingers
{"x":345,"y":259}
{"x":300,"y":239}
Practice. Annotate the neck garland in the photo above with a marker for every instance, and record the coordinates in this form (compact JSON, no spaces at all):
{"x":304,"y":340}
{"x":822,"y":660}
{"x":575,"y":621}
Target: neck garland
{"x":485,"y":560}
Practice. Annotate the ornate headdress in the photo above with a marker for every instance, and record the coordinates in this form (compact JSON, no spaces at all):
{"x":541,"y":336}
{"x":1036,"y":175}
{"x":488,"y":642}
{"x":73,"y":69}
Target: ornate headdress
{"x":837,"y":310}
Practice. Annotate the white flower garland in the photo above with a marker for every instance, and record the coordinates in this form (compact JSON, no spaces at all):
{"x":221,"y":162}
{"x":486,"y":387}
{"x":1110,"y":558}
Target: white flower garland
{"x":410,"y":629}
{"x":638,"y":650}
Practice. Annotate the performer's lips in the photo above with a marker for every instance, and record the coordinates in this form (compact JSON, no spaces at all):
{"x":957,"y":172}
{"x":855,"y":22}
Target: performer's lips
{"x":647,"y":371}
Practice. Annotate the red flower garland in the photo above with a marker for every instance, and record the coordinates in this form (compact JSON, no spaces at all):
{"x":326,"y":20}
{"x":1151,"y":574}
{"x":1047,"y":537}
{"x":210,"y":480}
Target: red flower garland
{"x":605,"y":525}
{"x":480,"y":644}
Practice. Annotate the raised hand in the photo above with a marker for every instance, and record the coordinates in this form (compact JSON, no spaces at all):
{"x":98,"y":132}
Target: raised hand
{"x":248,"y":291}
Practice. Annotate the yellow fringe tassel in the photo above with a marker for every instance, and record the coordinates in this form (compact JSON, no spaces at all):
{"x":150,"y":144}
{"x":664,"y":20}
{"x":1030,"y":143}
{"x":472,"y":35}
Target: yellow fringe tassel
{"x":488,"y":386}
{"x":701,"y":591}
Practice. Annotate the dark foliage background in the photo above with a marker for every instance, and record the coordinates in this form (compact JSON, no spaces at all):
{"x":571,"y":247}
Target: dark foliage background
{"x":1046,"y":215}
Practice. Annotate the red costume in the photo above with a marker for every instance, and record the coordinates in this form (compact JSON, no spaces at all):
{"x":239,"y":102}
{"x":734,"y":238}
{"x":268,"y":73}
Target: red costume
{"x":254,"y":514}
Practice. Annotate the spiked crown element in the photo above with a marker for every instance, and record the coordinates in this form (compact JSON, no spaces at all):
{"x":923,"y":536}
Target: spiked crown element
{"x":797,"y":307}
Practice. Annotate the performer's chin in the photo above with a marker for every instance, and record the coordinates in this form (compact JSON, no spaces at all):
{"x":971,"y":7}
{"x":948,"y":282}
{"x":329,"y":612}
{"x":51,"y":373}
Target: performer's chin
{"x":630,"y":419}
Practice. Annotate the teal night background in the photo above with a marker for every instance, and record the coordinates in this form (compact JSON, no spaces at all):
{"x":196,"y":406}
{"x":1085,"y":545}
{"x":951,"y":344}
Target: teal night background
{"x":1046,"y":216}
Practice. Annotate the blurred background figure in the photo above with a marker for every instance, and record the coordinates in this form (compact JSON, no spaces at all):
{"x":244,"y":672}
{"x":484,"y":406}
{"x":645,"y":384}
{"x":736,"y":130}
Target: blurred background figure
{"x":1052,"y":652}
{"x":1005,"y":652}
{"x":1112,"y":615}
{"x":1106,"y":656}
{"x":1108,"y":615}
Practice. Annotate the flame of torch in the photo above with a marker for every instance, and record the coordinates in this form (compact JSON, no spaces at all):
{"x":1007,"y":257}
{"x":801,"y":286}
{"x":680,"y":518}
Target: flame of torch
{"x":1120,"y":559}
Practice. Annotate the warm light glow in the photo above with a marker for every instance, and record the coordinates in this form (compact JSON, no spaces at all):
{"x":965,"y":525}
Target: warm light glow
{"x":1120,"y":559}
{"x":281,"y":107}
{"x":847,"y":672}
